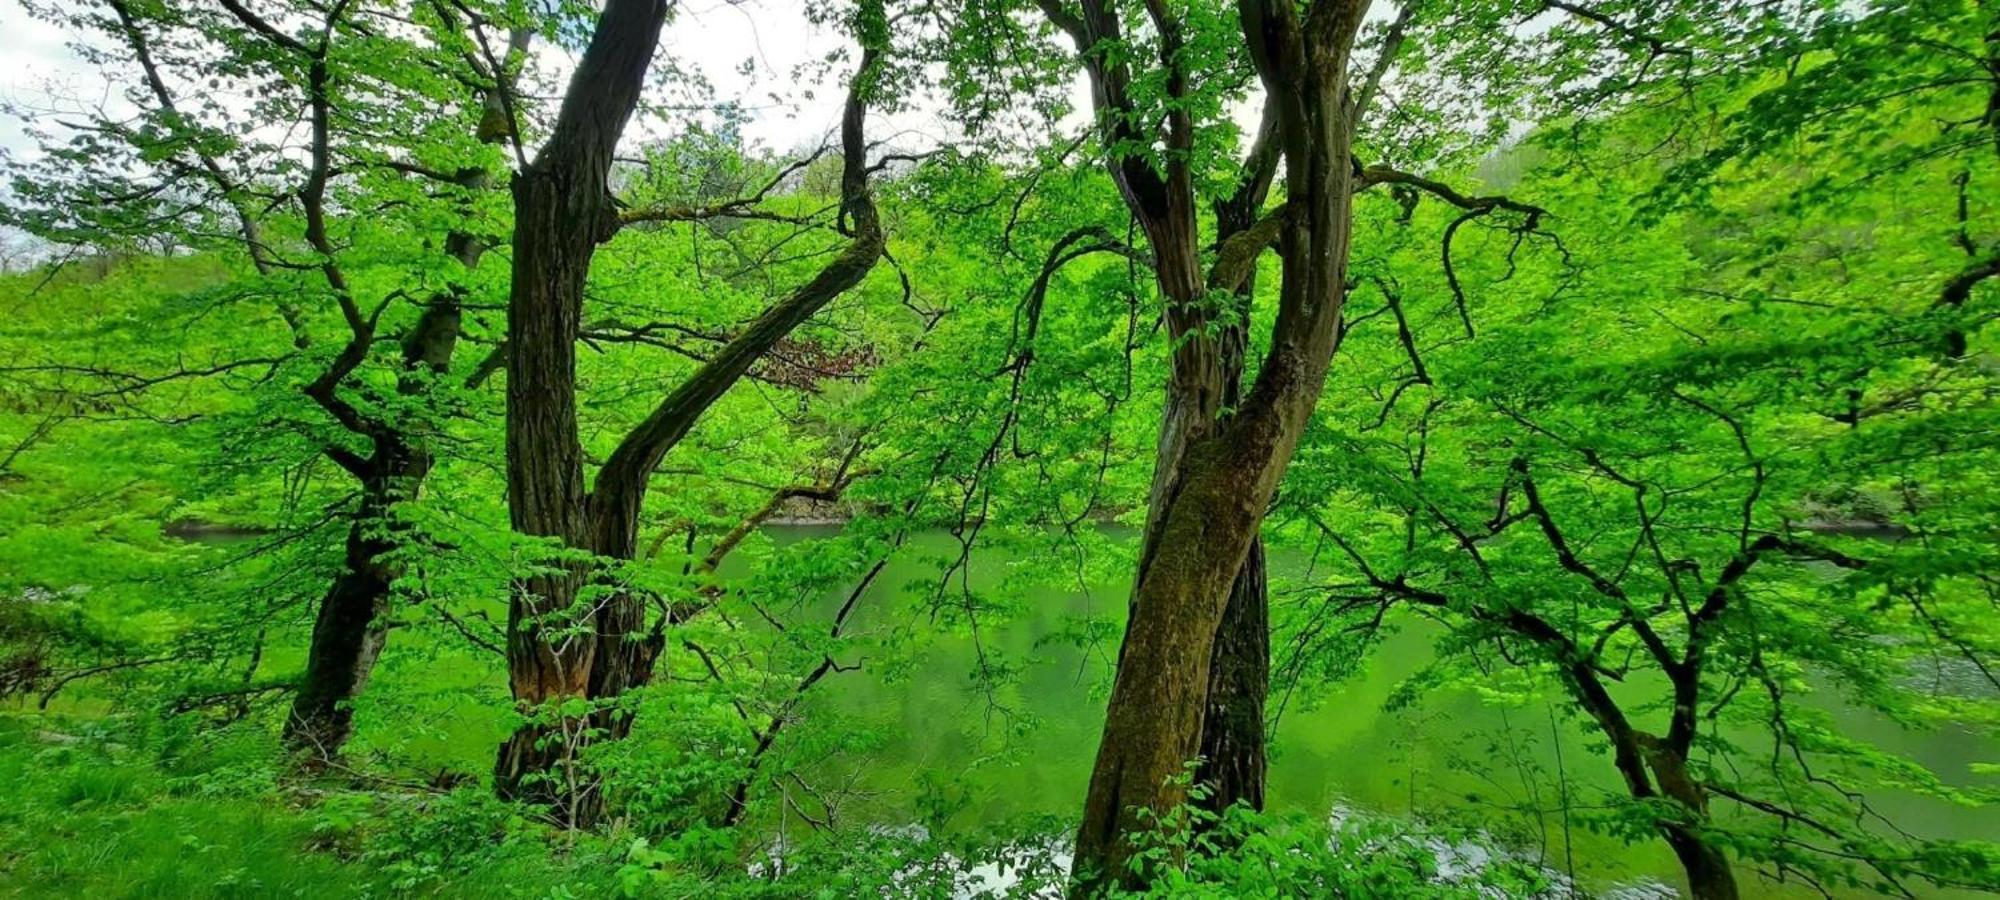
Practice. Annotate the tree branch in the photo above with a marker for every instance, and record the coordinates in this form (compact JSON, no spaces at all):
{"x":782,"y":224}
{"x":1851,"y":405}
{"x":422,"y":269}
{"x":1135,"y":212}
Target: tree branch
{"x":621,"y":483}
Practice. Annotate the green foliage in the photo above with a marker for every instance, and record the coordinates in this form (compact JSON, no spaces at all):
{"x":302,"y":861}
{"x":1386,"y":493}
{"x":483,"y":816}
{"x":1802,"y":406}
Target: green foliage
{"x":1651,"y":458}
{"x":1712,"y":431}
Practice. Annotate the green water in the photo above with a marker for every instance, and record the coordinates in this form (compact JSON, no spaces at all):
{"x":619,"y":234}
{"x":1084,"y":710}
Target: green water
{"x":1025,"y":750}
{"x":1452,"y":758}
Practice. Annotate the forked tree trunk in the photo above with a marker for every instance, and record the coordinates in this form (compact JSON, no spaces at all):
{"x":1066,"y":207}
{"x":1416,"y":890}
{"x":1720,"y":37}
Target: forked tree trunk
{"x":1225,"y":480}
{"x":1205,"y":382}
{"x":562,"y":210}
{"x":1652,"y":769}
{"x":1233,"y":742}
{"x":1232,"y":754}
{"x":1153,"y":724}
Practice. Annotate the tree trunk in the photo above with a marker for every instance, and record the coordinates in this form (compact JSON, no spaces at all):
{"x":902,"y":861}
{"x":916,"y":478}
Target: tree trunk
{"x":626,"y":651}
{"x":572,"y":635}
{"x":562,"y":210}
{"x":551,"y":643}
{"x":347,"y":638}
{"x":349,"y":632}
{"x":1232,"y":736}
{"x":1233,"y":763}
{"x":1232,"y":748}
{"x":1709,"y":874}
{"x":351,"y":627}
{"x":540,"y":763}
{"x":1153,"y":725}
{"x":1226,"y":480}
{"x":1651,"y":768}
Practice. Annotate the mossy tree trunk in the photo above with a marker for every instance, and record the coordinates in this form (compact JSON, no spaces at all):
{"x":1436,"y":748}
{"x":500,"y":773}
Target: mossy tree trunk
{"x":1209,"y":508}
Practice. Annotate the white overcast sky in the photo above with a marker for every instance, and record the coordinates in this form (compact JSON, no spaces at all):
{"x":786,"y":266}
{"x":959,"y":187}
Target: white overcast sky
{"x":715,"y":37}
{"x":32,"y":56}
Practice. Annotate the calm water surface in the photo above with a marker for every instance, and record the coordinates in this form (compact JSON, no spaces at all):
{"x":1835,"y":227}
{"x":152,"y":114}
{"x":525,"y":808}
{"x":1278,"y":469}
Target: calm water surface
{"x":1452,"y":757}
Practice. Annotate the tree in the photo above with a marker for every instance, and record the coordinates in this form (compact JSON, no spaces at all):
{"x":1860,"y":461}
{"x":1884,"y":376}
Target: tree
{"x":577,"y":639}
{"x":1656,"y":494}
{"x":207,"y":177}
{"x":1161,"y":131}
{"x":1215,"y":475}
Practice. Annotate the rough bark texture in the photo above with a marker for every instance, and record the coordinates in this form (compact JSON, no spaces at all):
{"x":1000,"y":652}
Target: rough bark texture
{"x":1205,"y":370}
{"x":1233,"y":745}
{"x":1210,"y":507}
{"x":1233,"y":750}
{"x":570,"y":635}
{"x":563,"y":209}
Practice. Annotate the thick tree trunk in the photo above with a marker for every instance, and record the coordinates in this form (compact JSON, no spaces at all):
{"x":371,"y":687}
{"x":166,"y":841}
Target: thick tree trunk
{"x":1226,"y":480}
{"x":551,"y":641}
{"x":1232,"y":750}
{"x":1153,"y":725}
{"x":572,"y":635}
{"x":1205,"y":382}
{"x":1232,"y":741}
{"x":1232,"y":768}
{"x":540,"y":763}
{"x":563,"y":209}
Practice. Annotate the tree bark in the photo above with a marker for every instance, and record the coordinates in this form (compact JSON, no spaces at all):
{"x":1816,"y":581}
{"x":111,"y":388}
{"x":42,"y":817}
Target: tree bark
{"x":1650,"y":768}
{"x":1233,"y":763}
{"x":1233,"y":742}
{"x":563,"y":209}
{"x":351,"y":627}
{"x":1709,"y":874}
{"x":572,"y":635}
{"x":347,"y":638}
{"x":1210,"y":515}
{"x":1232,"y":748}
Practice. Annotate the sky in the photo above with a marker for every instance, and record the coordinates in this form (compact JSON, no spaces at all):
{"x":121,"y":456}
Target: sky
{"x":33,"y":58}
{"x":714,"y":37}
{"x":750,"y":51}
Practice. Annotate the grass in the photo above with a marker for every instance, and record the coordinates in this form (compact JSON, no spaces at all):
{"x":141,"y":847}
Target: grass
{"x":96,"y":819}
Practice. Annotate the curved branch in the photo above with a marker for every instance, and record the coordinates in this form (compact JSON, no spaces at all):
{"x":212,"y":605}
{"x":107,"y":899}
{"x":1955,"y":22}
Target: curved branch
{"x":621,"y":484}
{"x":1236,"y":259}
